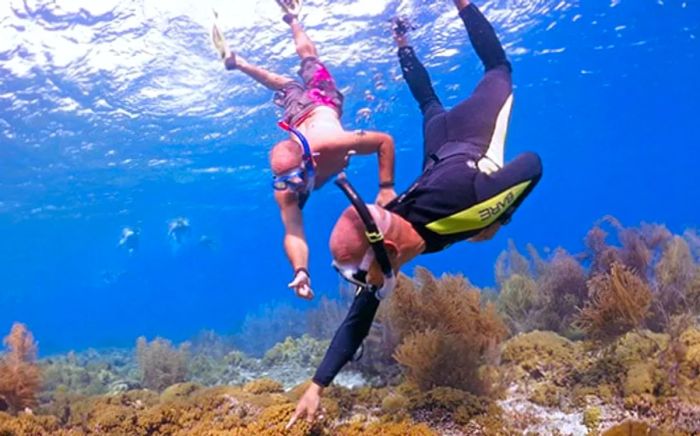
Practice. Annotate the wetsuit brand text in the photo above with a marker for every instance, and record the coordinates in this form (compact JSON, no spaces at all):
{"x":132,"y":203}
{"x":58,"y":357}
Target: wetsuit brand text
{"x":500,"y":207}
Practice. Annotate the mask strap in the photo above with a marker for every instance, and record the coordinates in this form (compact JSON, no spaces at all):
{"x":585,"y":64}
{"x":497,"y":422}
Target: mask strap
{"x":305,"y":147}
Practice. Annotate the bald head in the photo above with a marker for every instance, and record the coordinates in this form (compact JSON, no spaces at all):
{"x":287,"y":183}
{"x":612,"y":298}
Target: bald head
{"x":348,"y":242}
{"x":284,"y":156}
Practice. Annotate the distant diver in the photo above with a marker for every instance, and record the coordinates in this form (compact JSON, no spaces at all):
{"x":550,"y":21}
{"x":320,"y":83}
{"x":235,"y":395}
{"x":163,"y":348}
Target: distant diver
{"x":178,"y":229}
{"x":465,"y":192}
{"x":206,"y":242}
{"x":129,"y":240}
{"x":318,"y":147}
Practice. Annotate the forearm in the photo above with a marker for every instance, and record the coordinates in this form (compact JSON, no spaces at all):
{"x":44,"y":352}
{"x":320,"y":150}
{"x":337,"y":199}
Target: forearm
{"x":368,"y":142}
{"x":297,"y":251}
{"x":386,"y":155}
{"x":348,"y":338}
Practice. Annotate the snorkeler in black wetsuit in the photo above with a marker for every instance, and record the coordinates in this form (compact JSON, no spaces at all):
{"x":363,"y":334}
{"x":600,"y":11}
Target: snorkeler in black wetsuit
{"x":464,"y":193}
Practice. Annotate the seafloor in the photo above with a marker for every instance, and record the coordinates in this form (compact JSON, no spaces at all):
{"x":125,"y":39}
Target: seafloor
{"x":603,"y":342}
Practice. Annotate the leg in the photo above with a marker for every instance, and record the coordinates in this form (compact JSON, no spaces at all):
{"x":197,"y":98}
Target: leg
{"x":483,"y":118}
{"x":266,"y":78}
{"x":305,"y":47}
{"x":419,"y":83}
{"x":415,"y":74}
{"x":482,"y":36}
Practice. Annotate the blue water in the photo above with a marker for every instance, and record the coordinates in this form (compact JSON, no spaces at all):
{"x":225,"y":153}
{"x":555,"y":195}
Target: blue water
{"x":119,"y":114}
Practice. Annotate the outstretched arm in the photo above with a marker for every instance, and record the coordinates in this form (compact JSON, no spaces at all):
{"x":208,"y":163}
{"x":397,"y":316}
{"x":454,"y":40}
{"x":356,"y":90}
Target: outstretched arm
{"x":295,"y":242}
{"x":369,"y":142}
{"x":345,"y":343}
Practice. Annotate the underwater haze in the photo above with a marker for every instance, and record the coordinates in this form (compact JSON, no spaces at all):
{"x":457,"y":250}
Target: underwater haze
{"x":118,"y":114}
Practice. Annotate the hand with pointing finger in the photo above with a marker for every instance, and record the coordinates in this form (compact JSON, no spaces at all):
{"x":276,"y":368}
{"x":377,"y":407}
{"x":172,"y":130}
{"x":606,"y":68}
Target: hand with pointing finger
{"x":308,"y":405}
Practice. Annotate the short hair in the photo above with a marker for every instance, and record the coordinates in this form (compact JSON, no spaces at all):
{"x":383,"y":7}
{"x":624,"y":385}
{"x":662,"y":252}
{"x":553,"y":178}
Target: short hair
{"x":285,"y":155}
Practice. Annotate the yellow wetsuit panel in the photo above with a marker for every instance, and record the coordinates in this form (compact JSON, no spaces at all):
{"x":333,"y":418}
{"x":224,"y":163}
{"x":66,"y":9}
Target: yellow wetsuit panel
{"x":480,"y":215}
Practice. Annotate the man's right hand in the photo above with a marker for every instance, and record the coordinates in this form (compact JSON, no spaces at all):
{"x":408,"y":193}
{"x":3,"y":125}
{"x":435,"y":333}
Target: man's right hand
{"x":302,"y":285}
{"x":385,"y":196}
{"x":308,"y":405}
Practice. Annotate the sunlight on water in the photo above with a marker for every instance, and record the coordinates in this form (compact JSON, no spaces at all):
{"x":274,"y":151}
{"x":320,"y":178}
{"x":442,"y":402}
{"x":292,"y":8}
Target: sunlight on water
{"x":106,"y":84}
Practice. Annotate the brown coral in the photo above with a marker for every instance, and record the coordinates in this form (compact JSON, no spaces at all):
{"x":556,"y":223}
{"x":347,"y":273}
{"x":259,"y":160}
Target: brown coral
{"x":19,"y":374}
{"x":263,"y":386}
{"x":160,"y":363}
{"x":675,"y":273}
{"x":638,"y":246}
{"x":520,"y":302}
{"x":445,"y":333}
{"x":540,"y":294}
{"x":619,"y":302}
{"x":402,"y":428}
{"x":562,"y":281}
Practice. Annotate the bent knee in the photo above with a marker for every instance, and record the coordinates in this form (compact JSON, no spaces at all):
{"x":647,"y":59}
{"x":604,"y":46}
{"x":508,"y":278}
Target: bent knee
{"x":306,"y":50}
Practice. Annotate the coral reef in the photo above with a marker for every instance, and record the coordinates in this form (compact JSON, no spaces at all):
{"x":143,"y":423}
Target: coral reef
{"x":268,"y":326}
{"x":445,"y":334}
{"x":200,"y":411}
{"x":263,"y":386}
{"x":161,"y":364}
{"x":548,"y":294}
{"x":539,"y":294}
{"x":304,"y":351}
{"x":520,"y":303}
{"x":677,"y":286}
{"x":637,"y":250}
{"x":619,"y":302}
{"x":19,"y":373}
{"x":637,"y":368}
{"x":606,"y":342}
{"x":89,"y":373}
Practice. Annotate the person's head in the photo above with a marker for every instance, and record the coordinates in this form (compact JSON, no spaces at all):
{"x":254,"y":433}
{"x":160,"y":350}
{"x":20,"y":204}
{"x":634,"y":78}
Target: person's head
{"x":287,"y":163}
{"x":349,"y":245}
{"x":285,"y":156}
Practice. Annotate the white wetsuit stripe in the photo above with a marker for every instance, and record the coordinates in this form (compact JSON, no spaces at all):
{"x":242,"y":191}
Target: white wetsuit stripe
{"x":496,"y":150}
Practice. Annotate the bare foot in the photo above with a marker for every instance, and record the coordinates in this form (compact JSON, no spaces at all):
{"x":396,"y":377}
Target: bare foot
{"x":461,"y":4}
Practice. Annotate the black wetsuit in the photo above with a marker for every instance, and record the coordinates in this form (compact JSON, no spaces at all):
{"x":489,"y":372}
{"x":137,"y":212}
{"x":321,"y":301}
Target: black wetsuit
{"x":453,"y":199}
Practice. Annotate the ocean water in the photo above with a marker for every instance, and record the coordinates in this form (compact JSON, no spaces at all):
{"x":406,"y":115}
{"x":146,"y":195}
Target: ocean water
{"x":119,"y":113}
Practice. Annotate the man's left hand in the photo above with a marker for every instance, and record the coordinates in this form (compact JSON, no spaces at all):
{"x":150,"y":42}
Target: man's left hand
{"x":385,"y":196}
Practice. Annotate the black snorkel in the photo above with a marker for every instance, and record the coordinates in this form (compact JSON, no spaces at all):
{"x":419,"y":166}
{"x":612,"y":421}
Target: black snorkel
{"x":375,"y":237}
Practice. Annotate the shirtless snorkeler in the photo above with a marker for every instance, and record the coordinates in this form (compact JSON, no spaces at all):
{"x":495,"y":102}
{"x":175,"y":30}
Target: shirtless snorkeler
{"x":318,"y":147}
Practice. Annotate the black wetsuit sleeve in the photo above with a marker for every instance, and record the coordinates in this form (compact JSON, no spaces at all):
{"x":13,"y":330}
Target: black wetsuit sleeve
{"x":348,"y":337}
{"x":526,"y":167}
